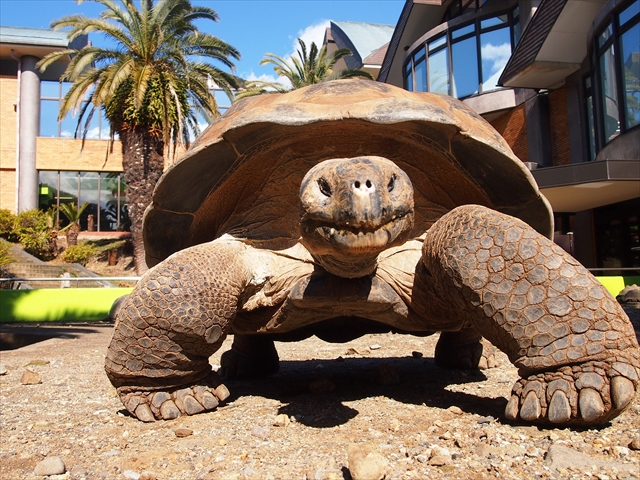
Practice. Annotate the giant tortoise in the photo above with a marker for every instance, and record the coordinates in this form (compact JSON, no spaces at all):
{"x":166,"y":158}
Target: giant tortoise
{"x":351,"y":207}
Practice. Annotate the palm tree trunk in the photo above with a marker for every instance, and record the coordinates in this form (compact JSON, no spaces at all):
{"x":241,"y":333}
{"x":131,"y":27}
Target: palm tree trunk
{"x":143,"y":162}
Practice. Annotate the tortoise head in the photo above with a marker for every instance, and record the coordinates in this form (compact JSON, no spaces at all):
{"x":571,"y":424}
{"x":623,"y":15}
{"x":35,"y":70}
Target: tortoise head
{"x":353,"y":209}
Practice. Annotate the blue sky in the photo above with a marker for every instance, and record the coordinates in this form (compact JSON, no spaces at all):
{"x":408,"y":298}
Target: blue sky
{"x":254,"y":27}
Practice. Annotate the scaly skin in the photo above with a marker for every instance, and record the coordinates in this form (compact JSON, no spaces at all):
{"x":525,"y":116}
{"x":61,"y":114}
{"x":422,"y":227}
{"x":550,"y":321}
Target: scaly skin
{"x":572,"y":342}
{"x":176,"y":318}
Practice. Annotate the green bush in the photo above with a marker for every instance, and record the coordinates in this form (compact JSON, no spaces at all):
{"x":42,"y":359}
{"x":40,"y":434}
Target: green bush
{"x":5,"y":255}
{"x":81,"y":253}
{"x":29,"y":222}
{"x":7,"y":220}
{"x":39,"y":244}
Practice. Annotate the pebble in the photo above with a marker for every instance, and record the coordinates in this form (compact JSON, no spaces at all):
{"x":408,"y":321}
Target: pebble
{"x":416,"y":354}
{"x":365,"y":463}
{"x":183,"y":432}
{"x":455,"y":410}
{"x":3,"y":369}
{"x":260,"y":432}
{"x":488,"y":419}
{"x":375,"y":346}
{"x":30,"y":378}
{"x":635,"y":443}
{"x":50,"y":466}
{"x":281,"y":420}
{"x":131,"y":475}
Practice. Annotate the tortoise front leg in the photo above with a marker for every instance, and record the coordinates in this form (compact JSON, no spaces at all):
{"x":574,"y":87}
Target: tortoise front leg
{"x":573,"y":344}
{"x":175,"y":319}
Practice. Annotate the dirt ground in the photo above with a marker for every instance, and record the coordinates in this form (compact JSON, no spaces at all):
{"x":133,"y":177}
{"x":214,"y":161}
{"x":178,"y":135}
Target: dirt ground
{"x":383,"y":392}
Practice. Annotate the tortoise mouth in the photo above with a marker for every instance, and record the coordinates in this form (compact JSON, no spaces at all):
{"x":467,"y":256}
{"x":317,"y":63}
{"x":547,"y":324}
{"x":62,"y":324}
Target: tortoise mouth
{"x":327,"y":238}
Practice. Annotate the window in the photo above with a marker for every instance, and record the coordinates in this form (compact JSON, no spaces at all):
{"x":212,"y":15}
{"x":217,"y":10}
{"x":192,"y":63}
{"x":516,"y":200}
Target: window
{"x":469,"y":59}
{"x":615,"y":107}
{"x":104,"y":191}
{"x":51,"y":94}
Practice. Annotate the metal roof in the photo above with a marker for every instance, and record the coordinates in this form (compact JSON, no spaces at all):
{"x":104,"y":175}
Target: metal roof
{"x":361,"y":38}
{"x":33,"y":36}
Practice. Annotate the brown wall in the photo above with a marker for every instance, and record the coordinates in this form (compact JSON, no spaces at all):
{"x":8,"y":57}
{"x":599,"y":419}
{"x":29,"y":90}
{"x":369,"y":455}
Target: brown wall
{"x":559,"y":122}
{"x":8,"y":115}
{"x":513,"y":127}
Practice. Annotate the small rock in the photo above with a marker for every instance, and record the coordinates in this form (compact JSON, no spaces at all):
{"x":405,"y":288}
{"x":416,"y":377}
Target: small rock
{"x":260,"y":432}
{"x":183,"y":432}
{"x":281,"y":420}
{"x":322,"y":385}
{"x":635,"y":443}
{"x":325,"y":474}
{"x":354,"y":351}
{"x":50,"y":466}
{"x":619,"y":451}
{"x":365,"y":463}
{"x":488,"y":419}
{"x":37,"y":363}
{"x":416,"y":354}
{"x":439,"y":456}
{"x":455,"y":410}
{"x":30,"y":378}
{"x":3,"y":369}
{"x":131,"y":475}
{"x":148,"y":476}
{"x":249,"y":473}
{"x":375,"y":346}
{"x":387,"y":375}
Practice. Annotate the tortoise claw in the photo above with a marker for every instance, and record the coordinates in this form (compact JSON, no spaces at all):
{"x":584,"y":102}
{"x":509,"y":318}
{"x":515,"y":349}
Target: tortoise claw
{"x":622,"y":392}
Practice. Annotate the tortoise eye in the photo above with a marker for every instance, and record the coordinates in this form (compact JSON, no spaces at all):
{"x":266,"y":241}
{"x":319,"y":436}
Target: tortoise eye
{"x":392,"y":183}
{"x":324,"y":187}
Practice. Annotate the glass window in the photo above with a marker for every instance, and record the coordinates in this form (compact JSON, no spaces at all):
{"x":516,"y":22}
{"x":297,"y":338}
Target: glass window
{"x":438,"y":42}
{"x":629,"y":12}
{"x":630,"y":56}
{"x":494,"y":21}
{"x":408,"y":77}
{"x":48,"y":118}
{"x":439,"y":72}
{"x":606,"y":35}
{"x":89,"y":193}
{"x":591,"y":129}
{"x":609,"y":102}
{"x":49,"y":89}
{"x":463,"y":31}
{"x":464,"y":56}
{"x":495,"y":50}
{"x":421,"y":75}
{"x":48,"y":185}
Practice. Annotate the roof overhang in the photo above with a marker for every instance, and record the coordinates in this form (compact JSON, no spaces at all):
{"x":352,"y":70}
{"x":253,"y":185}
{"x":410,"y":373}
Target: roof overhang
{"x":553,"y":44}
{"x":582,"y":186}
{"x":16,"y":42}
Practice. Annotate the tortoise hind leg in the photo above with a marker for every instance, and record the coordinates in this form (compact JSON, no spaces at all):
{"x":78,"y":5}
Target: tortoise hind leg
{"x":464,"y":349}
{"x":175,"y":319}
{"x":574,"y":346}
{"x":251,"y":356}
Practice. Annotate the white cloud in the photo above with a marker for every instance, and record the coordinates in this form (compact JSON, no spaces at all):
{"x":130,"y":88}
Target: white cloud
{"x":498,"y":55}
{"x":313,"y":33}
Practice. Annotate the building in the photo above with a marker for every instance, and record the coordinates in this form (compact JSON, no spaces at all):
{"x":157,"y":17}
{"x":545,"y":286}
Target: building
{"x":367,"y":41}
{"x":41,"y":163}
{"x":560,"y":80}
{"x":44,"y":161}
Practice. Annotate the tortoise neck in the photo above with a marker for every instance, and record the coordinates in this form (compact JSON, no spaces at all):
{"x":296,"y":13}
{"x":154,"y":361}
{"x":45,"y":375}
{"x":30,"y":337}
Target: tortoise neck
{"x":347,"y":267}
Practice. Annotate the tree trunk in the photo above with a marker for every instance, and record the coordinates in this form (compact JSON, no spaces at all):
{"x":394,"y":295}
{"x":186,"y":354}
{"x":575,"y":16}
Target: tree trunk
{"x":143,"y":162}
{"x":72,"y":234}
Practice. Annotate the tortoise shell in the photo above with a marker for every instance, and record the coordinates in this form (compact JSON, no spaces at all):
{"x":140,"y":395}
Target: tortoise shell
{"x":242,"y":175}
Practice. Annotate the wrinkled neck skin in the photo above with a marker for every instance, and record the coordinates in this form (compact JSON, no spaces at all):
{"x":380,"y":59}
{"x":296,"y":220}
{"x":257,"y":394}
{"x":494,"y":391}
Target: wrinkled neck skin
{"x":352,"y":209}
{"x":350,"y":267}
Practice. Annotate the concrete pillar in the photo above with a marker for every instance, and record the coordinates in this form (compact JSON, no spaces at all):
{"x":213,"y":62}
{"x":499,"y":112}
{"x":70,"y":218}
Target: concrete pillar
{"x":29,"y":130}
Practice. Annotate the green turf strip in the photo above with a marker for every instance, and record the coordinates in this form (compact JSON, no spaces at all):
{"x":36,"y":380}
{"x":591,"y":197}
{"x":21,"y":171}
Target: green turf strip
{"x":57,"y":304}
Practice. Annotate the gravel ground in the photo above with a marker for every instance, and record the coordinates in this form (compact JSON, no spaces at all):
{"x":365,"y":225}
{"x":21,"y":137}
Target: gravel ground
{"x":382,"y":392}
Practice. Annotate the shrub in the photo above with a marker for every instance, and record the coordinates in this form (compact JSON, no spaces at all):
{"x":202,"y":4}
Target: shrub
{"x":29,"y":222}
{"x":39,"y":244}
{"x":80,"y":253}
{"x":5,"y":255}
{"x":7,"y":220}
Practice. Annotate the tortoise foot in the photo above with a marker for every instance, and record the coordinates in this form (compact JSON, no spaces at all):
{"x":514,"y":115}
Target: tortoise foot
{"x":588,"y":394}
{"x":251,"y":356}
{"x":168,"y":404}
{"x":470,"y":355}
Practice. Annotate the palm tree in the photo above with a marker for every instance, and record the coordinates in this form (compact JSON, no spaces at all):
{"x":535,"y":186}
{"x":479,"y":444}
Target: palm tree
{"x":308,"y":68}
{"x":150,"y":84}
{"x":73,"y":213}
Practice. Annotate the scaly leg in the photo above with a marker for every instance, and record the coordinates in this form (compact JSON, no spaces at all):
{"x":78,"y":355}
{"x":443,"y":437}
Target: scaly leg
{"x":175,"y":319}
{"x":251,"y":356}
{"x":573,"y":344}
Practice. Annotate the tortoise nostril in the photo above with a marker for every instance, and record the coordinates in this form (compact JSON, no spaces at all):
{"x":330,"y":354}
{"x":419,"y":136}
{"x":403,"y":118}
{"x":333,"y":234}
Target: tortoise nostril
{"x":357,"y":184}
{"x":368,"y":183}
